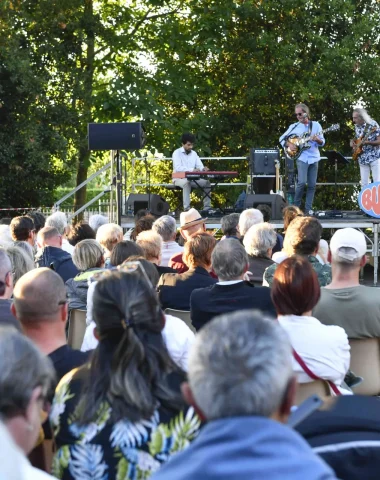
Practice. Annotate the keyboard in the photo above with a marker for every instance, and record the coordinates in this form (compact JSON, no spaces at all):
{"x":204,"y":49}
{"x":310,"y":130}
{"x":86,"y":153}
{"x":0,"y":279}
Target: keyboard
{"x":210,"y":175}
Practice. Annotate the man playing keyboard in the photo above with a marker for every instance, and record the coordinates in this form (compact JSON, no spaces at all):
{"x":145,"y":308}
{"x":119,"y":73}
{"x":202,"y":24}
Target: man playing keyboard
{"x":186,"y":160}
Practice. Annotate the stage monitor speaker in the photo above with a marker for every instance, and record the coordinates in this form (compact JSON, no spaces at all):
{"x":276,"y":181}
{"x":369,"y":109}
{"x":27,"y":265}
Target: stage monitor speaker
{"x":275,"y":202}
{"x":115,"y":136}
{"x":262,"y":160}
{"x":140,"y":201}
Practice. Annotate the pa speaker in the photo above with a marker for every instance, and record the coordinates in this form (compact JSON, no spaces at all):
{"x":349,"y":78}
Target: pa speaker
{"x":140,"y":201}
{"x":115,"y":136}
{"x":262,"y":160}
{"x":275,"y":202}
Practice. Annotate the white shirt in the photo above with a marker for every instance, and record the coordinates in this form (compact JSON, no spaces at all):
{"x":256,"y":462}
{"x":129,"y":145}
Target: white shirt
{"x":176,"y":334}
{"x":183,"y":162}
{"x":323,"y":348}
{"x":168,"y":250}
{"x":67,"y":247}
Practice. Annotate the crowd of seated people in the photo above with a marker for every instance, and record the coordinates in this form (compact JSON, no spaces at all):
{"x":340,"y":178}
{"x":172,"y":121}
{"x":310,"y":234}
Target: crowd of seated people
{"x":145,"y":396}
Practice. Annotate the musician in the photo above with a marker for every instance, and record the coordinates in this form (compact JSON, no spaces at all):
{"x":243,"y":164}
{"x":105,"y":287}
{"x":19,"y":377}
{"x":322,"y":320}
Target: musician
{"x":186,"y":160}
{"x":369,"y":159}
{"x":307,"y":162}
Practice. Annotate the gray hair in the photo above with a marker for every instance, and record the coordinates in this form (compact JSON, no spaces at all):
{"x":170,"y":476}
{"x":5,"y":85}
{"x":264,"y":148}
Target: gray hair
{"x":21,"y":262}
{"x":108,"y":235}
{"x":259,"y":239}
{"x":166,"y":227}
{"x":249,"y":217}
{"x":57,"y":220}
{"x":229,"y":259}
{"x":23,"y":368}
{"x":97,"y":221}
{"x":229,"y":224}
{"x":5,"y":236}
{"x":363,"y":114}
{"x":151,"y":243}
{"x":303,"y":107}
{"x":87,"y":254}
{"x":240,"y":364}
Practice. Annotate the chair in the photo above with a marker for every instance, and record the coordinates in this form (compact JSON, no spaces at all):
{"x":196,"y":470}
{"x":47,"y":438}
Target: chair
{"x":183,"y":315}
{"x":306,"y":390}
{"x":77,"y":328}
{"x":365,"y":362}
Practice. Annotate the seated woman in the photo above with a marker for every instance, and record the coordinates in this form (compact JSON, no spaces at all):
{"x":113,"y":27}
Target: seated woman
{"x":258,"y":243}
{"x":324,"y":349}
{"x":124,"y":250}
{"x":26,"y":379}
{"x":122,"y":415}
{"x":88,"y":258}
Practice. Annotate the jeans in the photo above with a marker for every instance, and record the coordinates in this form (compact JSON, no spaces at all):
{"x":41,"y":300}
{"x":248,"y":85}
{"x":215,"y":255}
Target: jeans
{"x":374,"y":167}
{"x":307,"y":173}
{"x":186,"y":187}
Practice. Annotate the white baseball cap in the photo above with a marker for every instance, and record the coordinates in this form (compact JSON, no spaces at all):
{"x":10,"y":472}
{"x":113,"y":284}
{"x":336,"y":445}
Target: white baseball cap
{"x":348,"y":243}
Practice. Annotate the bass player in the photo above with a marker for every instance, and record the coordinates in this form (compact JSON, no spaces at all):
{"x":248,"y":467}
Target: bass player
{"x":366,"y":145}
{"x":307,"y":161}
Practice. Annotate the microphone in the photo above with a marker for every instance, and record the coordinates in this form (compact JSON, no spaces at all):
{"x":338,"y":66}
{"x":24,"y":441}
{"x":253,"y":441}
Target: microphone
{"x":305,"y":115}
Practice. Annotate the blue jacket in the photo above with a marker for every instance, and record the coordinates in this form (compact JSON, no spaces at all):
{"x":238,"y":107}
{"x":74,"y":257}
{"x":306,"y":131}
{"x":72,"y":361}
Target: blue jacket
{"x":246,"y":448}
{"x":59,"y":261}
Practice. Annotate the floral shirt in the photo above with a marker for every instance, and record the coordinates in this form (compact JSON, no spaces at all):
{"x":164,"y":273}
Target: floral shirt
{"x":103,"y":450}
{"x":370,"y":152}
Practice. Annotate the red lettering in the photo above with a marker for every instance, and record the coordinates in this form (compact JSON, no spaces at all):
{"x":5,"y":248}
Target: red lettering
{"x":367,"y":199}
{"x":375,"y":200}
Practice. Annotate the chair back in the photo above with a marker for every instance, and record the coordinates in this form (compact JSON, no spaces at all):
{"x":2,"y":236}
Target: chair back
{"x":183,"y":315}
{"x":316,"y":387}
{"x":365,"y":362}
{"x":77,"y":328}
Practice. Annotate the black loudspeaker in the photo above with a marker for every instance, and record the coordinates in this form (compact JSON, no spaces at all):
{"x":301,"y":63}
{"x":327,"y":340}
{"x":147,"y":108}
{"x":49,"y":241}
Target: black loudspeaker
{"x":275,"y":202}
{"x":262,"y":160}
{"x":115,"y":136}
{"x":140,"y":201}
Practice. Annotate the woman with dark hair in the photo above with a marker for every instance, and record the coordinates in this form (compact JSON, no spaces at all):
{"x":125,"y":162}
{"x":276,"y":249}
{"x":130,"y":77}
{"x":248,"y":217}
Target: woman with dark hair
{"x":122,"y":415}
{"x":80,"y":231}
{"x":124,"y":250}
{"x":324,"y":349}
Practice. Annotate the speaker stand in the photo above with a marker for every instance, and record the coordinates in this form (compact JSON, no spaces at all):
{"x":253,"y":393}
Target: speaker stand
{"x":119,"y":192}
{"x":147,"y":178}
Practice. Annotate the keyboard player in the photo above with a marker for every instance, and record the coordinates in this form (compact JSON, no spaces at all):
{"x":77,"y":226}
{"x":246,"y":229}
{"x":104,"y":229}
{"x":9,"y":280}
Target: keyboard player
{"x":186,"y":160}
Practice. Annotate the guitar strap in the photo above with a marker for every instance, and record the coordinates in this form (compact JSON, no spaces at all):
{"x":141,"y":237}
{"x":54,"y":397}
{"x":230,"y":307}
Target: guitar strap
{"x":310,"y":127}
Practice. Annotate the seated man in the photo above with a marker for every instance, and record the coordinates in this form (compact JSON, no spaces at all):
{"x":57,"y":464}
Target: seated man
{"x":231,"y":293}
{"x":167,"y":228}
{"x":241,"y":383}
{"x":186,"y":160}
{"x":229,"y":226}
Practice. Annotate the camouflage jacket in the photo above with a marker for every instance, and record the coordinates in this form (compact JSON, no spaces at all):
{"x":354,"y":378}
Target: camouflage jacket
{"x":323,"y":272}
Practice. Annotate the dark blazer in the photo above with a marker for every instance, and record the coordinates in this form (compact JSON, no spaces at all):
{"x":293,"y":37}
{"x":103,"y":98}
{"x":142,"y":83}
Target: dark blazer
{"x":207,"y":303}
{"x":59,"y":261}
{"x":175,"y":288}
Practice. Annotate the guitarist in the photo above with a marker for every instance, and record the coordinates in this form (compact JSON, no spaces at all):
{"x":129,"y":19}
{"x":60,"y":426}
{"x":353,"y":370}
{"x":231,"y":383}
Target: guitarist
{"x":307,"y":162}
{"x":369,"y":158}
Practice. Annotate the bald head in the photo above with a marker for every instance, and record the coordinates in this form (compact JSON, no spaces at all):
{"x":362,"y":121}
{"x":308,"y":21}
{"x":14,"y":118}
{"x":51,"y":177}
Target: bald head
{"x":38,"y":296}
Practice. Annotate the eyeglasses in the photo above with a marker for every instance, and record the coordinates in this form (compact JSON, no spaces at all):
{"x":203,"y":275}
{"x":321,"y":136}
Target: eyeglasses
{"x":299,"y":114}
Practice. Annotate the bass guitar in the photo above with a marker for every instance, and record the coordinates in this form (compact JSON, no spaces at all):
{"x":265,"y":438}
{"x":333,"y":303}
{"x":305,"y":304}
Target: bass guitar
{"x":358,"y":144}
{"x":302,"y":143}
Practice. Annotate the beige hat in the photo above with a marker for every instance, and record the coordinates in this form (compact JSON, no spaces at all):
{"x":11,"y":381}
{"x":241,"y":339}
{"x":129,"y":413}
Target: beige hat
{"x":348,"y":238}
{"x":190,"y":218}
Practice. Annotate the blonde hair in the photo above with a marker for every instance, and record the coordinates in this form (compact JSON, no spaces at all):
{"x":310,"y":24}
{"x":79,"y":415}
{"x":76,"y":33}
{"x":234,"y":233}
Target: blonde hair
{"x":151,"y":243}
{"x":109,"y":235}
{"x":87,"y":254}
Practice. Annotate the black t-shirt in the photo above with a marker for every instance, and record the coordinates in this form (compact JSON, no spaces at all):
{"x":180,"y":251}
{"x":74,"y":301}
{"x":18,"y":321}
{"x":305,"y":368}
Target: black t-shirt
{"x":66,"y":359}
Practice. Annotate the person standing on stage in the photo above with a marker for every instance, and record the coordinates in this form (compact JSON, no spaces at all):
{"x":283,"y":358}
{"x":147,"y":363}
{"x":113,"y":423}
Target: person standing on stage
{"x":186,"y":160}
{"x":307,"y":162}
{"x":369,"y":159}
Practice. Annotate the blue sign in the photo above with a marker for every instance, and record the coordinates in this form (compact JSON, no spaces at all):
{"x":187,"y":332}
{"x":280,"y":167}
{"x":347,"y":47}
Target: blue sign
{"x":369,"y":199}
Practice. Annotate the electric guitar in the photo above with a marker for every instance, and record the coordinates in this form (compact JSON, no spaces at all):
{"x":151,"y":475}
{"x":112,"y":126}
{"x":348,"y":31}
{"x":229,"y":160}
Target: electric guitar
{"x":357,"y":148}
{"x":301,"y":143}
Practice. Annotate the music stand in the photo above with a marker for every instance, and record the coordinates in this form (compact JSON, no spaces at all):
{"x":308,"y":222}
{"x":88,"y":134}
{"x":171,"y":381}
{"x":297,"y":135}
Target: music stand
{"x":336,"y":157}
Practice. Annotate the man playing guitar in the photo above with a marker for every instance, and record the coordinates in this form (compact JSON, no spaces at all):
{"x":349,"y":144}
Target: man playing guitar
{"x":307,"y":161}
{"x":366,"y":145}
{"x":186,"y":160}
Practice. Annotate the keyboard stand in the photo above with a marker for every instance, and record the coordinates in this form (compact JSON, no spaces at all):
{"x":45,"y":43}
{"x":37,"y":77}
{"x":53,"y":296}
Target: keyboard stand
{"x":208,"y":194}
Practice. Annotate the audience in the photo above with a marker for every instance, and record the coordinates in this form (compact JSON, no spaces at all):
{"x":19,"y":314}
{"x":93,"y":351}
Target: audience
{"x":232,"y":292}
{"x":108,"y":236}
{"x":259,"y":241}
{"x":167,"y":228}
{"x":88,"y":258}
{"x":248,"y":218}
{"x":142,"y":225}
{"x":49,"y":240}
{"x":323,"y":349}
{"x":23,"y":230}
{"x":126,"y":403}
{"x":289,"y":213}
{"x":240,"y":382}
{"x":229,"y":226}
{"x":345,"y":302}
{"x":302,"y":238}
{"x":96,"y":221}
{"x":191,"y":223}
{"x":6,"y":239}
{"x":6,"y":291}
{"x":58,"y":220}
{"x":26,"y":248}
{"x":151,"y":244}
{"x":21,"y":262}
{"x":26,"y":378}
{"x":80,"y":231}
{"x":124,"y":250}
{"x":38,"y":220}
{"x":175,"y":288}
{"x":267,"y":215}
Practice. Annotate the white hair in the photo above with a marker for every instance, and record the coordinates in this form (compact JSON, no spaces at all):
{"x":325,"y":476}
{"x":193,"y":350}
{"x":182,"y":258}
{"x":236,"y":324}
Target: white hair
{"x":5,"y":236}
{"x":109,"y":235}
{"x":323,"y":247}
{"x":259,"y":239}
{"x":229,"y":259}
{"x":97,"y":221}
{"x":166,"y":227}
{"x":249,"y":217}
{"x":151,"y":243}
{"x":57,"y":220}
{"x":364,"y":114}
{"x":240,"y":364}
